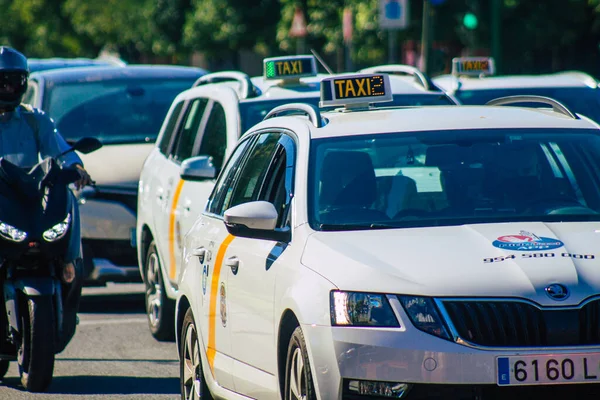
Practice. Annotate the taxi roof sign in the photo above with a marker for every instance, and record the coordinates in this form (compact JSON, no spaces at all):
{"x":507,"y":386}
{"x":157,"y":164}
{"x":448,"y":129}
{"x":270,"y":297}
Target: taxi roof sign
{"x":473,"y":66}
{"x":357,"y":89}
{"x":292,"y":67}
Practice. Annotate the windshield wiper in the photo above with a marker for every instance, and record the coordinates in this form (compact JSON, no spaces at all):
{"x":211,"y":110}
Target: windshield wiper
{"x":355,"y":227}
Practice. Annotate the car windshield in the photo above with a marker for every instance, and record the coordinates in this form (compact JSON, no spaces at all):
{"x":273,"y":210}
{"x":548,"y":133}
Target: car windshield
{"x":120,"y":111}
{"x":454,"y":177}
{"x":584,"y":101}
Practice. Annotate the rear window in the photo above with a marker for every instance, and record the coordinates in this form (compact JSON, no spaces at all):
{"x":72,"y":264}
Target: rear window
{"x":123,"y":111}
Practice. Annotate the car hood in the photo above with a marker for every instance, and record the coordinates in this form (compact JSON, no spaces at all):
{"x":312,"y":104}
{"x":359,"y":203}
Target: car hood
{"x":483,"y":260}
{"x":117,"y":165}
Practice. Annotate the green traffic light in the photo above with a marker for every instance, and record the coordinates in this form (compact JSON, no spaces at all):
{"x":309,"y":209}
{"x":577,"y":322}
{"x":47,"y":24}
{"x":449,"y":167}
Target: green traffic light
{"x":470,"y":21}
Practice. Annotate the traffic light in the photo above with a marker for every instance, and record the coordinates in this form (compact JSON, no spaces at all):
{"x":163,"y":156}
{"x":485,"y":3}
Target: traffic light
{"x":470,"y":21}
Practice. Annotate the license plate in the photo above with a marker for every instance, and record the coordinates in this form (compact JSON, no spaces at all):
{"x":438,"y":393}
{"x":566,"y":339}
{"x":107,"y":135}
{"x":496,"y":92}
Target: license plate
{"x":548,"y":369}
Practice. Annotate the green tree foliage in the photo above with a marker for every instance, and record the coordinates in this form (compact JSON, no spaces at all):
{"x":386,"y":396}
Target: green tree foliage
{"x":122,"y":24}
{"x":537,"y":36}
{"x":169,"y":18}
{"x":221,"y":28}
{"x":41,"y":28}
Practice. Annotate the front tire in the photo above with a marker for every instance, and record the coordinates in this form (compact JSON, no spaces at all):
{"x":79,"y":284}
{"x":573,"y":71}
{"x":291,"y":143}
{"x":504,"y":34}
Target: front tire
{"x":298,"y":377}
{"x":160,"y":310}
{"x":36,"y":350}
{"x":191,"y":374}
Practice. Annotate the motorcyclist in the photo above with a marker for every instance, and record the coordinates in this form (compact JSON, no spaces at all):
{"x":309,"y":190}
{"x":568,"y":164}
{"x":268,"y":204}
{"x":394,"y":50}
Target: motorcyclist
{"x":25,"y":138}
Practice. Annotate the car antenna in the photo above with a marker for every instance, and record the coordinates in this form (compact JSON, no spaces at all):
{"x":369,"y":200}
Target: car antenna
{"x":321,"y":61}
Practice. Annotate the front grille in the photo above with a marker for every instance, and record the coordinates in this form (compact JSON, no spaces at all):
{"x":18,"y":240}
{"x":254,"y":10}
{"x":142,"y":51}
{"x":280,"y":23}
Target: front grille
{"x":520,"y":324}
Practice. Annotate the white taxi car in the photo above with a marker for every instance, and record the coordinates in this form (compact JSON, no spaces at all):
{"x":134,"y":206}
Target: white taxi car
{"x":201,"y":128}
{"x":413,"y":252}
{"x":473,"y":81}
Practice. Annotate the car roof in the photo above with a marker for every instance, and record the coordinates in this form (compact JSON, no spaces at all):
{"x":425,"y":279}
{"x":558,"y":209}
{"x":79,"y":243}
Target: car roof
{"x":432,"y":118}
{"x":41,"y":64}
{"x":139,"y":71}
{"x":564,"y":79}
{"x":307,"y":87}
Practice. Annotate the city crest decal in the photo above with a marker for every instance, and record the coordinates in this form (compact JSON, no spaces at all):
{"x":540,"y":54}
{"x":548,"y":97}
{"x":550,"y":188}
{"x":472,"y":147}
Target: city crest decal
{"x":526,"y":241}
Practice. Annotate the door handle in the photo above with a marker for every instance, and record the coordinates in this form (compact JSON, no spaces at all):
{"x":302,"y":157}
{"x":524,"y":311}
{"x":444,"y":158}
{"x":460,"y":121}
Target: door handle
{"x":233,"y":263}
{"x":199,"y":252}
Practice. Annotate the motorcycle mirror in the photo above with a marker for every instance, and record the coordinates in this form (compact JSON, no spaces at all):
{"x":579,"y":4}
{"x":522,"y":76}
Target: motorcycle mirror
{"x":87,"y":145}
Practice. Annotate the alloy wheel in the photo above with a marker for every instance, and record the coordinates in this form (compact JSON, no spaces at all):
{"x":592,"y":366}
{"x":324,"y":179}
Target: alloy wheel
{"x":192,"y":369}
{"x":153,"y":290}
{"x":297,"y":381}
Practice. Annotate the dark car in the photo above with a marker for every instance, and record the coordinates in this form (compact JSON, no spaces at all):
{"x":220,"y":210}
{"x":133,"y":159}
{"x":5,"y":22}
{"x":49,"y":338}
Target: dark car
{"x":124,"y":108}
{"x":43,"y":64}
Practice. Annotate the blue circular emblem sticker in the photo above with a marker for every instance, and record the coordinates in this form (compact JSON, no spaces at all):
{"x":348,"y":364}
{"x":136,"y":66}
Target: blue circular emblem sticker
{"x":526,"y":241}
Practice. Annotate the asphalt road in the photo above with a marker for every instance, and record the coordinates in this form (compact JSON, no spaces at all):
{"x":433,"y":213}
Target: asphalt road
{"x":112,"y":355}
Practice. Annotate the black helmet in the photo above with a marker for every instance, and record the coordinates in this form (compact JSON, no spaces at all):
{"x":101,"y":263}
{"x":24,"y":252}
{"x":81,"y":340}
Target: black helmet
{"x":13,"y":77}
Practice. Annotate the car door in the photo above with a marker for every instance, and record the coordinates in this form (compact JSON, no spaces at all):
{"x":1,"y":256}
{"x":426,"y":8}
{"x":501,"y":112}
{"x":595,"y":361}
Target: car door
{"x":250,"y":263}
{"x":207,"y":244}
{"x":211,"y":141}
{"x":170,"y":185}
{"x":216,"y":138}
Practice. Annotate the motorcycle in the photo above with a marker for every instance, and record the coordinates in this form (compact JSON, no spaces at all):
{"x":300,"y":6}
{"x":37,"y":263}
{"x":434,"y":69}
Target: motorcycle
{"x":41,"y":267}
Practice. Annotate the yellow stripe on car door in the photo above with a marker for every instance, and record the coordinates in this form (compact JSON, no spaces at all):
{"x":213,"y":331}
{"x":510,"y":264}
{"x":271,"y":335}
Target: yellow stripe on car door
{"x":172,"y":225}
{"x":212,"y":311}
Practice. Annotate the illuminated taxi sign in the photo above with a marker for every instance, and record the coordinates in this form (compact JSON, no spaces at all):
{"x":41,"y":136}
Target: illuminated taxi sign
{"x":474,"y":66}
{"x":355,"y":89}
{"x":290,"y":67}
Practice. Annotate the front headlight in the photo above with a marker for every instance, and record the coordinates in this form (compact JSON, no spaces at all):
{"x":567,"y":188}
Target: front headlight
{"x":11,"y":233}
{"x":58,"y":231}
{"x":361,"y":309}
{"x":424,"y":315}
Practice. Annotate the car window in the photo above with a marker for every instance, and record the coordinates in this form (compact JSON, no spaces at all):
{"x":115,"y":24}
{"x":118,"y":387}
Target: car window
{"x":455,"y":177}
{"x":214,"y":139}
{"x":224,"y":186}
{"x":119,"y":111}
{"x":250,"y":179}
{"x":278,"y":186}
{"x":184,"y":142}
{"x":165,"y":140}
{"x":252,"y":112}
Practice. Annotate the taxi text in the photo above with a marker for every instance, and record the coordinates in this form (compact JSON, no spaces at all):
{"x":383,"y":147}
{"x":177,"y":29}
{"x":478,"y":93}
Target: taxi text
{"x":289,"y":67}
{"x":475,"y":65}
{"x":359,"y":87}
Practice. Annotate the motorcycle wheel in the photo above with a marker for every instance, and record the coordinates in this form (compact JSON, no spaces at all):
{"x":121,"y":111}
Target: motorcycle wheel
{"x":160,"y":310}
{"x":36,"y":350}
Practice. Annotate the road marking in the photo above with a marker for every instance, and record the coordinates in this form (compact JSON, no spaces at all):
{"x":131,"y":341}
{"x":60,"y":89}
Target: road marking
{"x":212,"y":311}
{"x":172,"y":225}
{"x":113,"y":321}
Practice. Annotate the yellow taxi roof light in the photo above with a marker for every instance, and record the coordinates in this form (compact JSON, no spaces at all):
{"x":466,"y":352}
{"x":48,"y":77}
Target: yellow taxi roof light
{"x":355,"y":89}
{"x":292,"y":67}
{"x":473,"y":66}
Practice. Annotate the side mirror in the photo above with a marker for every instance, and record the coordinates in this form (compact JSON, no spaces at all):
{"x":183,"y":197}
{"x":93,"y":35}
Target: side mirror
{"x":197,"y":168}
{"x":87,"y":145}
{"x":257,"y":220}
